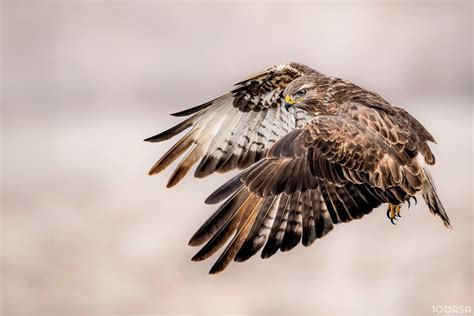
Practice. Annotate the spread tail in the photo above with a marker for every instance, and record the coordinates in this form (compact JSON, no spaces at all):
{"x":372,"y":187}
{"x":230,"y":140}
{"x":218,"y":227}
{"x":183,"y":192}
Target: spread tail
{"x":432,"y":200}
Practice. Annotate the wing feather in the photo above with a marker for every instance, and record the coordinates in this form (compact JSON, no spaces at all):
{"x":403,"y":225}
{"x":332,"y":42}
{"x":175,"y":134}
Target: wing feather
{"x":236,"y":129}
{"x":303,"y":173}
{"x":332,"y":170}
{"x":294,"y":229}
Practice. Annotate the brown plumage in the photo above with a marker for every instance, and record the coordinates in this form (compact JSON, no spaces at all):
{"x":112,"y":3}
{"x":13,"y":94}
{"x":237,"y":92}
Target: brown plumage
{"x":316,"y":150}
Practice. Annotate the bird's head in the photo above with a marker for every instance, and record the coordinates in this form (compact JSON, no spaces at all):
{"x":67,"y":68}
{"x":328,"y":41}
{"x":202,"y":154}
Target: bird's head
{"x":300,"y":90}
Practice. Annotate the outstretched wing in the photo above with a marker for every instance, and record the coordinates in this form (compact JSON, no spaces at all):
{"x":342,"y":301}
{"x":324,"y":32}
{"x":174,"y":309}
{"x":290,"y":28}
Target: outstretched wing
{"x":236,"y":129}
{"x":332,"y":170}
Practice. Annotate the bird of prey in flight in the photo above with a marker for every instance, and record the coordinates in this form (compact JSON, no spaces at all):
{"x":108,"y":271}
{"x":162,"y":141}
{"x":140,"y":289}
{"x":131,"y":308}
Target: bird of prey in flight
{"x":314,"y":151}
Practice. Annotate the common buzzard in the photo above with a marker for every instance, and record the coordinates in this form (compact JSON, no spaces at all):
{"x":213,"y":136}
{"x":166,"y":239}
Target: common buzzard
{"x":315,"y":151}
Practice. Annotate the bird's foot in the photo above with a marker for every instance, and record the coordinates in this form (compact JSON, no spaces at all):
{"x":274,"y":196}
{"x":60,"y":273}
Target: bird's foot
{"x":393,"y":212}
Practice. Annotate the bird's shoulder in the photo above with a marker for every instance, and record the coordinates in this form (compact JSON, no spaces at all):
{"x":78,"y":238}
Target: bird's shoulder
{"x":371,"y":109}
{"x":397,"y":128}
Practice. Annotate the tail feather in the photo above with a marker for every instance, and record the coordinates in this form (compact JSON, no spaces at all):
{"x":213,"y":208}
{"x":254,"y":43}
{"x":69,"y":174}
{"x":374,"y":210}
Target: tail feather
{"x":432,"y":200}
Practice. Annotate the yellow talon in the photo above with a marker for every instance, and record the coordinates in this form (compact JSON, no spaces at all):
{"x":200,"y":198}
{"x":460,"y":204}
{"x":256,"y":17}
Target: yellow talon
{"x":393,"y":211}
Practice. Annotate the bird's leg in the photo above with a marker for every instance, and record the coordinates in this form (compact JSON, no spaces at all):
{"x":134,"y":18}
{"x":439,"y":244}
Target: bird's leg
{"x":393,"y":211}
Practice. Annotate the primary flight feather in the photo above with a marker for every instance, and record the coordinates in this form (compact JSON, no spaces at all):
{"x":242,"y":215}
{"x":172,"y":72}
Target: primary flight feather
{"x":316,"y":151}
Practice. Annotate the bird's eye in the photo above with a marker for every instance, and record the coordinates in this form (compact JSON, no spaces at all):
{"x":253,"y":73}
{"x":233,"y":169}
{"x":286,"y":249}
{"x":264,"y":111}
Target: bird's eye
{"x":300,"y":93}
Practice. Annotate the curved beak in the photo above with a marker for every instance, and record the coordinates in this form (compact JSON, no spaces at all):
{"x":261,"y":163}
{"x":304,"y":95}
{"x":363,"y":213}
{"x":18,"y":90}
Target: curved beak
{"x":288,"y":102}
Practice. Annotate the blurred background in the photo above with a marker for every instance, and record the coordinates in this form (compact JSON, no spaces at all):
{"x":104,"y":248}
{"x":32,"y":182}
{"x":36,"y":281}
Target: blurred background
{"x":85,"y":231}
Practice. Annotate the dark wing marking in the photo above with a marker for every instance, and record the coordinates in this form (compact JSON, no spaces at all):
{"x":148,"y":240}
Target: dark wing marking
{"x":313,"y":178}
{"x":332,"y":170}
{"x":338,"y":150}
{"x":401,"y":130}
{"x":236,"y":129}
{"x":280,"y":222}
